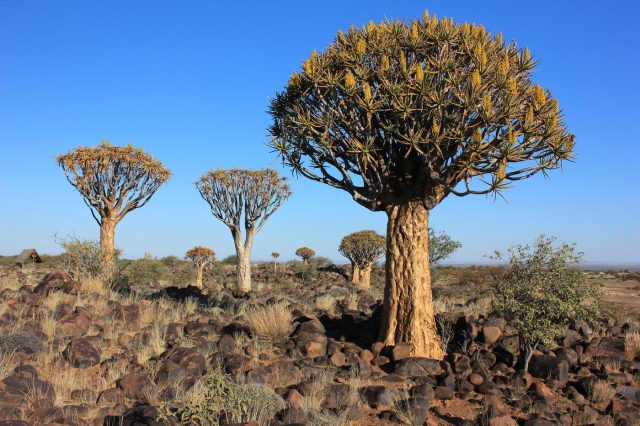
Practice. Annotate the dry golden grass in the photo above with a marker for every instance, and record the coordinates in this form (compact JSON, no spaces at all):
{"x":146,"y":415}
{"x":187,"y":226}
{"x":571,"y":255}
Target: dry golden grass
{"x":157,"y":341}
{"x":48,"y":323}
{"x":326,"y":303}
{"x":8,"y":362}
{"x":144,"y":353}
{"x":632,"y":345}
{"x":271,"y":322}
{"x":601,"y":391}
{"x":94,"y":285}
{"x":190,"y":306}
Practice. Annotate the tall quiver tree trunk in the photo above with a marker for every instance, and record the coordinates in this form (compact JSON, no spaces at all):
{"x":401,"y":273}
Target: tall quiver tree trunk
{"x":199,"y":274}
{"x":365,"y":277}
{"x":107,"y":246}
{"x":355,"y":274}
{"x":243,"y":252}
{"x":408,"y":314}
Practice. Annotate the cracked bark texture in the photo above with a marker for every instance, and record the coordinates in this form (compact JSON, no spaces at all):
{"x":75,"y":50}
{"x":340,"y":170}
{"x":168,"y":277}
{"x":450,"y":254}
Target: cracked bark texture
{"x":408,"y":314}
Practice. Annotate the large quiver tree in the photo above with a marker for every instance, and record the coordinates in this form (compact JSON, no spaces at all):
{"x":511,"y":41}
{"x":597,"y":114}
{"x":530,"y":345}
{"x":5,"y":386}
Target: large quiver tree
{"x":243,"y":199}
{"x":400,"y":115}
{"x":362,"y":248}
{"x":113,"y":181}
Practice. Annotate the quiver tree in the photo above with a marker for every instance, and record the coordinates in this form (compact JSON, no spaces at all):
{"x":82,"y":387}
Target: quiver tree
{"x":201,"y":257}
{"x":275,"y":255}
{"x":362,"y":248}
{"x":441,"y":246}
{"x":305,"y":253}
{"x":243,"y":199}
{"x":400,"y":115}
{"x":113,"y":181}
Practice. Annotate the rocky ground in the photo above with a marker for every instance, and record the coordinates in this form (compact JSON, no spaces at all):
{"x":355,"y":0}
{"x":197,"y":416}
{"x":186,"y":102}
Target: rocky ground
{"x":300,"y":349}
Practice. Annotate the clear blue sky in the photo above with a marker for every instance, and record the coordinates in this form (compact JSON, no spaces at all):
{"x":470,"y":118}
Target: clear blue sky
{"x":190,"y":83}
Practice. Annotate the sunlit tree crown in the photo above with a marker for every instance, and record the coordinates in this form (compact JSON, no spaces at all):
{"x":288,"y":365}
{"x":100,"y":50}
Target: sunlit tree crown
{"x":417,"y":110}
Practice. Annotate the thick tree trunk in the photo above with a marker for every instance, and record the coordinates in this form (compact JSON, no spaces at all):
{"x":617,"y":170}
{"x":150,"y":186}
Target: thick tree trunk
{"x":365,"y":277}
{"x":355,"y":274}
{"x":243,"y":271}
{"x":361,"y":277}
{"x":107,"y":247}
{"x":243,"y":251}
{"x":199,"y":273}
{"x":408,"y":314}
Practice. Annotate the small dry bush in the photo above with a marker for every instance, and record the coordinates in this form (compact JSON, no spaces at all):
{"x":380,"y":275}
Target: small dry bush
{"x":601,"y":391}
{"x":94,"y":285}
{"x":326,"y":302}
{"x":272,"y":322}
{"x":216,"y":396}
{"x":632,"y":345}
{"x":8,"y":362}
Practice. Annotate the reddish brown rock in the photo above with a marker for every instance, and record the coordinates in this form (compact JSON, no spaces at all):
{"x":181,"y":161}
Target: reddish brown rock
{"x":134,"y":384}
{"x":310,"y":338}
{"x":81,"y":353}
{"x":75,"y":325}
{"x":401,"y":351}
{"x":57,"y":281}
{"x":110,"y":397}
{"x":490,"y":334}
{"x":24,"y":386}
{"x":190,"y":359}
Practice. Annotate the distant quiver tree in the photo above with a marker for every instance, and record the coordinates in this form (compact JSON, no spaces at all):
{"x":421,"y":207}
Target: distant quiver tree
{"x":243,"y":199}
{"x":113,"y":181}
{"x":201,"y":257}
{"x":305,"y":253}
{"x":362,"y":248}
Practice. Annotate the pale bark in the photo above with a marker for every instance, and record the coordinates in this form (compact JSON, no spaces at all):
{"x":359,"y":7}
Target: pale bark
{"x":243,"y":272}
{"x":243,"y":251}
{"x":199,"y":274}
{"x":355,"y":274}
{"x":365,"y":278}
{"x":107,"y":246}
{"x":408,"y":314}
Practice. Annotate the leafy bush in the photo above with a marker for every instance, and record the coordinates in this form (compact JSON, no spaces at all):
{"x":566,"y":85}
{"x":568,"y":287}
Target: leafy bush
{"x":216,"y":398}
{"x":145,"y":272}
{"x":441,"y":246}
{"x":171,"y":261}
{"x":305,"y":271}
{"x":542,"y":291}
{"x":230,"y":260}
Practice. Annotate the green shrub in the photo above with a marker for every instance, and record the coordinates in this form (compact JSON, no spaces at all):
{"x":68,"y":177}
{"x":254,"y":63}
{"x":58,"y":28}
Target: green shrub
{"x":145,"y":272}
{"x":230,"y":260}
{"x":541,"y":292}
{"x":305,"y":270}
{"x":216,"y":398}
{"x":441,"y":246}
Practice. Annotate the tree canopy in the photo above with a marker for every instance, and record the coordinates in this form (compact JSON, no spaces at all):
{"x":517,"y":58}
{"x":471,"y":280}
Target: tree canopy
{"x":362,"y":248}
{"x":201,"y":255}
{"x":305,"y":253}
{"x":113,"y":180}
{"x":235,"y":194}
{"x":396,"y":111}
